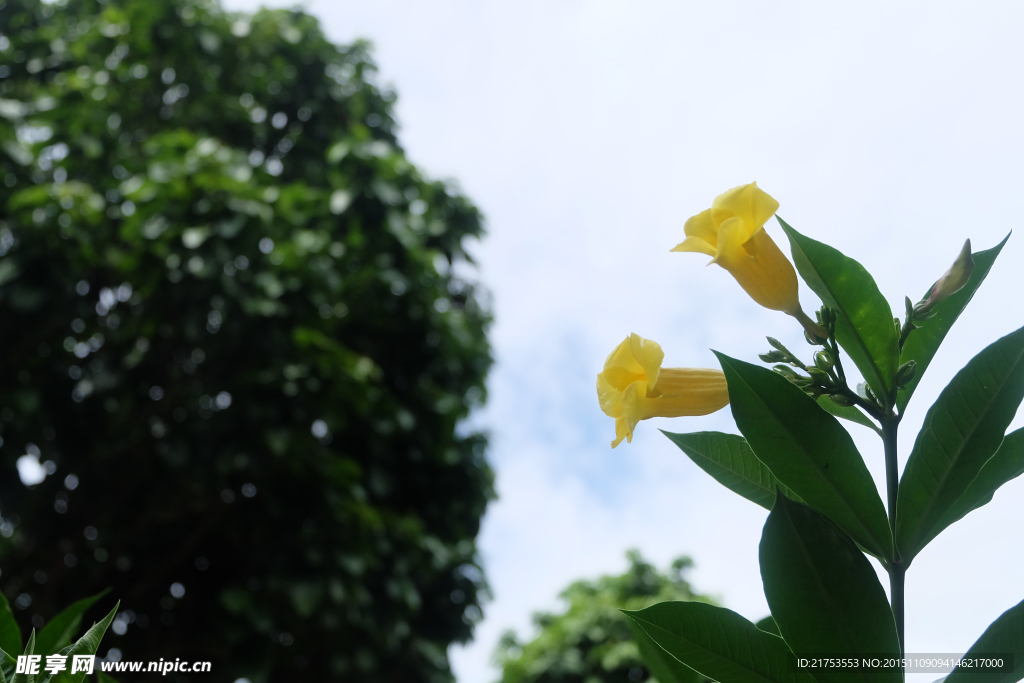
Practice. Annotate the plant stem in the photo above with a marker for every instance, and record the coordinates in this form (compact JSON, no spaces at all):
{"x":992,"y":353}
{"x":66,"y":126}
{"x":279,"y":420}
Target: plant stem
{"x":839,"y":375}
{"x":897,"y":576}
{"x":897,"y":572}
{"x":908,"y":327}
{"x":833,"y":348}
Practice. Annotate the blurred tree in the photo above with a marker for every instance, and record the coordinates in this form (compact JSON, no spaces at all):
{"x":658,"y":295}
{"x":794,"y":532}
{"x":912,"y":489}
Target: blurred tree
{"x":592,"y":641}
{"x":238,"y":337}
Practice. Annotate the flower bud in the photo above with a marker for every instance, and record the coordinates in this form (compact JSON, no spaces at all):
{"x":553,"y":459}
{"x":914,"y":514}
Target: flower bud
{"x":841,"y":400}
{"x":864,"y":391}
{"x":906,"y":373}
{"x":812,"y":339}
{"x":951,"y":282}
{"x":820,"y":376}
{"x":787,"y":372}
{"x":779,"y":346}
{"x":823,"y":360}
{"x":773,"y":357}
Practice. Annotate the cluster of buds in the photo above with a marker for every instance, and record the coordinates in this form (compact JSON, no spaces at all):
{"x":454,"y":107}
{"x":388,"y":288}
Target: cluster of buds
{"x":826,"y":322}
{"x":821,"y":377}
{"x":825,"y":376}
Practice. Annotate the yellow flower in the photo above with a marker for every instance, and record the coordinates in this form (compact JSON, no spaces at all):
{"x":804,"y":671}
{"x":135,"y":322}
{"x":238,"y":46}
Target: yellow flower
{"x":732,"y":233}
{"x":633,"y":386}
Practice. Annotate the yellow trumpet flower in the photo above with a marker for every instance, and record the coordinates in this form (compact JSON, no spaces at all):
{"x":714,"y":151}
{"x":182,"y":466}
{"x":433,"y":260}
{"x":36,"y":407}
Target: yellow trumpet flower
{"x":732,"y":233}
{"x":633,"y":386}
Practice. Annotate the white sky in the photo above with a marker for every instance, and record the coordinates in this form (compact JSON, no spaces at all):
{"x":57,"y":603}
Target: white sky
{"x":588,"y":132}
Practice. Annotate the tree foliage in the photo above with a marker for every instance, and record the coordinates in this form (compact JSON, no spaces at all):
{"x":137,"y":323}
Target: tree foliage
{"x":591,"y":641}
{"x":238,"y":335}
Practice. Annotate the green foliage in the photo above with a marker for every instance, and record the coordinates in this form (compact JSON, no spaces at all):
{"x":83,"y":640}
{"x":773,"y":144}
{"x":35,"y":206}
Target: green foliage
{"x":768,"y":625}
{"x":728,"y":459}
{"x":87,"y":644}
{"x":660,"y":664}
{"x":719,"y":643}
{"x":10,"y":634}
{"x":808,"y":450}
{"x":921,"y":346}
{"x":59,"y":631}
{"x":823,"y":593}
{"x":961,"y":431}
{"x":850,"y":413}
{"x":30,"y":649}
{"x":1006,"y":464}
{"x":238,"y":313}
{"x":865,"y":329}
{"x":592,"y":641}
{"x":1005,"y":635}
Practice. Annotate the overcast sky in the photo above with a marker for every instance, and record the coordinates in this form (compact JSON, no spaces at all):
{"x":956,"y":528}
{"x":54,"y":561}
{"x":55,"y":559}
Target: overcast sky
{"x":588,"y":132}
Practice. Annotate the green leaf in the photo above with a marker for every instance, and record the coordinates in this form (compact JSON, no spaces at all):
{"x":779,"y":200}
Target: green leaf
{"x":1005,"y":635}
{"x":922,"y":343}
{"x":728,"y":459}
{"x":1006,"y":464}
{"x":807,"y":450}
{"x":88,"y":644}
{"x":851,"y":413}
{"x":7,"y":666}
{"x":30,"y":649}
{"x":961,"y":431}
{"x":10,"y":634}
{"x":864,"y":325}
{"x":768,"y":625}
{"x":718,"y":643}
{"x":57,"y":634}
{"x":663,"y":666}
{"x":823,"y":593}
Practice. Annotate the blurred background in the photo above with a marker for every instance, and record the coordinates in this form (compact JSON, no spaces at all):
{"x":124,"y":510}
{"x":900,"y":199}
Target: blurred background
{"x":260,"y":375}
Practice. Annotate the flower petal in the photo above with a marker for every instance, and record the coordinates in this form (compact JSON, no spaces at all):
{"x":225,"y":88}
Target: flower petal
{"x":622,"y":357}
{"x":732,"y":235}
{"x":621,"y":432}
{"x":702,"y":226}
{"x":635,"y":406}
{"x":649,"y":355}
{"x":609,"y":397}
{"x":695,"y":244}
{"x":749,"y":203}
{"x":682,"y":392}
{"x":765,"y":273}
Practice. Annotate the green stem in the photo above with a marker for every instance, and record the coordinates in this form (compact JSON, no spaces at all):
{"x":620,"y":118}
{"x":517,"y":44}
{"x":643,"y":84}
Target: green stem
{"x":908,"y":327}
{"x":839,"y":375}
{"x":856,"y":399}
{"x":897,"y":576}
{"x":897,"y":572}
{"x":833,"y":349}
